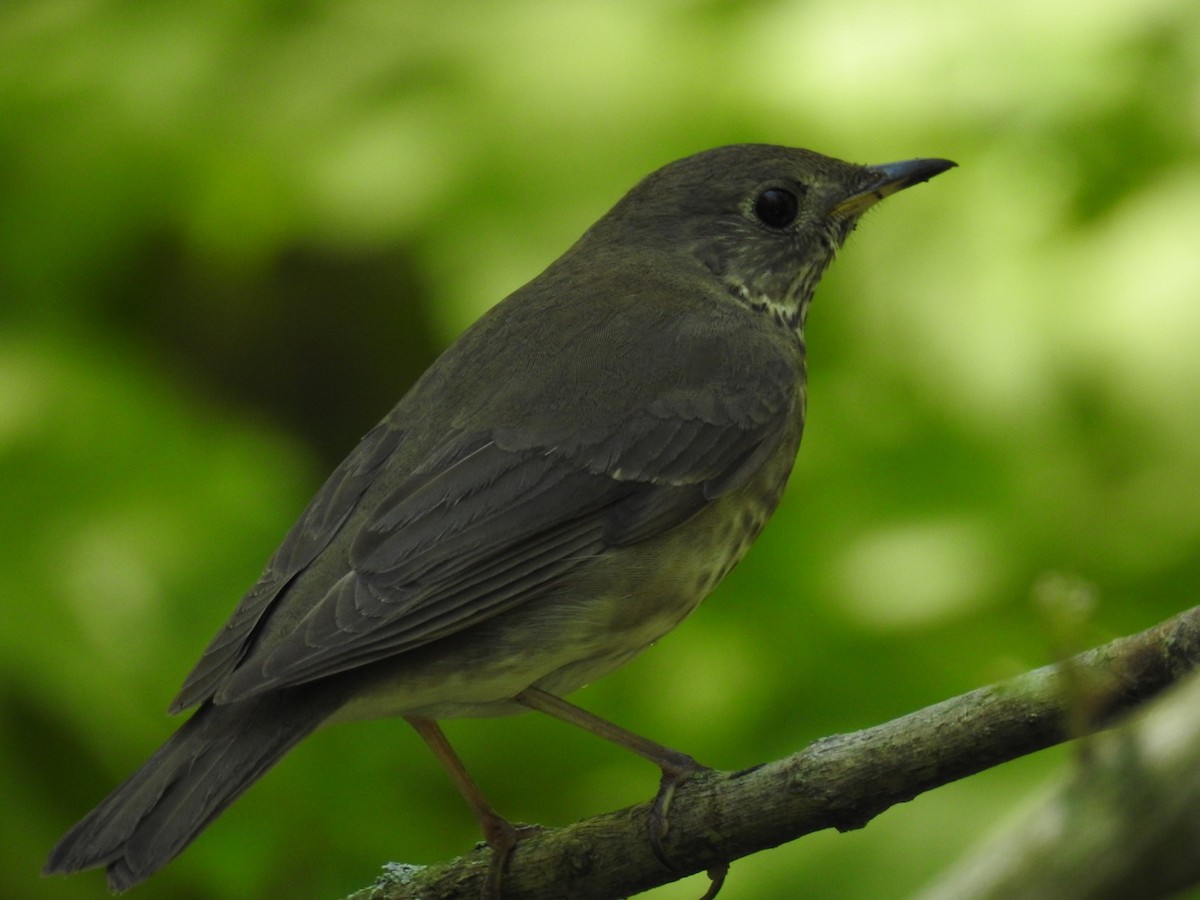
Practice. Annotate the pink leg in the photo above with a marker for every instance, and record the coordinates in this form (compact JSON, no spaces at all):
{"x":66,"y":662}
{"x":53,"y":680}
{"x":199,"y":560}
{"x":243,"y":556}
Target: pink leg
{"x":676,"y":767}
{"x":499,"y":833}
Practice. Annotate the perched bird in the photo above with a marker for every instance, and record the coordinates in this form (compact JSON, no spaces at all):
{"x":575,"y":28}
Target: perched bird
{"x":560,"y":489}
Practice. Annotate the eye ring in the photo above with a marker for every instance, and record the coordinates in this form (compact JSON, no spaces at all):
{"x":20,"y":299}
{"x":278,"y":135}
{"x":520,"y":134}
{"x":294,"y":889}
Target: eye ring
{"x":776,"y":207}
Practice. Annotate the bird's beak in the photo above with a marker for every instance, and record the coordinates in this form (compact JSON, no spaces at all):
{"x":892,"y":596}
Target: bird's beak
{"x":889,"y":178}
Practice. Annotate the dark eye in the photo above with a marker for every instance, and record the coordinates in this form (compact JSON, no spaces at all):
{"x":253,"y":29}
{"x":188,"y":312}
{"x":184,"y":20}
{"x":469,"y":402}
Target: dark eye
{"x":776,"y":208}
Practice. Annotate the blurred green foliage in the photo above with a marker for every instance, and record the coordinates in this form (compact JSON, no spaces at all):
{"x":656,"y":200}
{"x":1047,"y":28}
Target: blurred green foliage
{"x":231,"y":234}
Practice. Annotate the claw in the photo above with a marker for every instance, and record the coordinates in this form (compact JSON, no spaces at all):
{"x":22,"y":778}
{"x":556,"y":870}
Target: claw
{"x":681,"y":769}
{"x":502,"y":837}
{"x":716,"y":878}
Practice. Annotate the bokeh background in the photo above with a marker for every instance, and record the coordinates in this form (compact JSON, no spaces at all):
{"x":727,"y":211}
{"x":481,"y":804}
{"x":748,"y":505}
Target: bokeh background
{"x":231,"y":234}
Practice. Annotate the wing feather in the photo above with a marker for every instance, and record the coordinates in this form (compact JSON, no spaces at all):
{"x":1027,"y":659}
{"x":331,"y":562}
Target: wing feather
{"x":325,"y":515}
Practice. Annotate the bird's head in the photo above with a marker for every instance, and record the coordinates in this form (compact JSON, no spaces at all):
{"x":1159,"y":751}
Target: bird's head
{"x":764,"y":220}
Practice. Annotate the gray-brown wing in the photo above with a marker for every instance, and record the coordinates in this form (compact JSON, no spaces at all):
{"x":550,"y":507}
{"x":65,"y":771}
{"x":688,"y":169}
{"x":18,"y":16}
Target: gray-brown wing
{"x":612,"y":422}
{"x":500,"y":526}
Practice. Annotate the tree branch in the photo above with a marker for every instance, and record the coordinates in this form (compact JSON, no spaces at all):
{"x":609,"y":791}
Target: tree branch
{"x":1124,"y":823}
{"x":839,"y":782}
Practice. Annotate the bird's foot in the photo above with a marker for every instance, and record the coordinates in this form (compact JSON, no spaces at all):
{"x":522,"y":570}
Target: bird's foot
{"x":502,"y":837}
{"x":674,"y":773}
{"x":680,"y":770}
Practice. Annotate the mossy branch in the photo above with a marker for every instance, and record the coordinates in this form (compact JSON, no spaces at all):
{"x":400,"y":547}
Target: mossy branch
{"x":842,"y":781}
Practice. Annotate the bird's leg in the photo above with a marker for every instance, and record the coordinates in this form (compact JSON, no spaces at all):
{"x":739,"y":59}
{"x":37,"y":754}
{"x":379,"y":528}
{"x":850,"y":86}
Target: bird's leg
{"x":676,"y":767}
{"x":500,"y":834}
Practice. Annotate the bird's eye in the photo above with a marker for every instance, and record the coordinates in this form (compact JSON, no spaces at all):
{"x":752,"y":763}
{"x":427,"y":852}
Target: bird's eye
{"x":776,"y":208}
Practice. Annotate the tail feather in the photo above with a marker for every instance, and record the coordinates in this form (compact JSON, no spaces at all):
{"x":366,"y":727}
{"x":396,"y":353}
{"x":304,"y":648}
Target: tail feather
{"x":206,"y":765}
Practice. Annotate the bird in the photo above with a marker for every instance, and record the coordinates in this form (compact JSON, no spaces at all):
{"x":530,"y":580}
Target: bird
{"x":561,"y":488}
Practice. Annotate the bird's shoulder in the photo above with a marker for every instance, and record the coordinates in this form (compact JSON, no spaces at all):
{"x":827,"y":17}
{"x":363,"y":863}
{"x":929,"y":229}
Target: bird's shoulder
{"x":569,"y":354}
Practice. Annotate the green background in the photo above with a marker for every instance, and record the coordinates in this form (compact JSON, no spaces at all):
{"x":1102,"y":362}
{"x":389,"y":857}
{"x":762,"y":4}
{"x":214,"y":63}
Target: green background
{"x":232,"y":233}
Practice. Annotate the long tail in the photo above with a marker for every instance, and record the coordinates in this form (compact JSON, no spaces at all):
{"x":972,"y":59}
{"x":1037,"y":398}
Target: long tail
{"x":217,"y":754}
